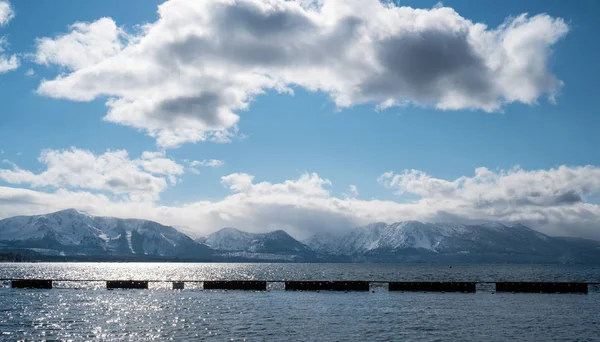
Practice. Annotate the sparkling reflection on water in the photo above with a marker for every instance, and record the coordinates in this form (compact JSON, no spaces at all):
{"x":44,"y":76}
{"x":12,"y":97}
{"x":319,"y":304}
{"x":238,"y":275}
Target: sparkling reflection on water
{"x":265,"y":271}
{"x":94,"y":313}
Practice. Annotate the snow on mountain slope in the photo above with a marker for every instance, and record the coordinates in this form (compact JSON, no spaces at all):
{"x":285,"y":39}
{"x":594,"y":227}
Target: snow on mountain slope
{"x":489,"y":241}
{"x":410,"y":234}
{"x":65,"y":224}
{"x":234,"y":240}
{"x":229,"y":239}
{"x":323,"y":242}
{"x":75,"y":232}
{"x":70,"y":232}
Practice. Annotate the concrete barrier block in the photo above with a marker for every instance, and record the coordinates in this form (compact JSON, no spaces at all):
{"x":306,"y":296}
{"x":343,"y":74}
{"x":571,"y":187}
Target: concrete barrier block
{"x":541,"y":287}
{"x":327,"y":285}
{"x":31,"y":284}
{"x":250,"y":285}
{"x":409,"y":286}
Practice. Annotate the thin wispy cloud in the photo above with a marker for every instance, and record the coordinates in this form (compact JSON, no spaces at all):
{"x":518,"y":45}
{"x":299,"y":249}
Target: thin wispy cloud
{"x":8,"y":62}
{"x":195,"y":165}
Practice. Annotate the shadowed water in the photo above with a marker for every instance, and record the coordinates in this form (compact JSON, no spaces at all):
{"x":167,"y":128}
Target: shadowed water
{"x":88,"y":312}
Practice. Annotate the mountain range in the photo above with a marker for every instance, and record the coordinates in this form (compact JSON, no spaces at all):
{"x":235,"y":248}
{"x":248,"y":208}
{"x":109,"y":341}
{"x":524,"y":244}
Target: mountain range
{"x":71,"y":232}
{"x":413,"y":241}
{"x":75,"y":235}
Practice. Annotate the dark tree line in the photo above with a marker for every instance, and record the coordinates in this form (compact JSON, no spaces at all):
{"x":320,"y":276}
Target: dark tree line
{"x":13,"y":257}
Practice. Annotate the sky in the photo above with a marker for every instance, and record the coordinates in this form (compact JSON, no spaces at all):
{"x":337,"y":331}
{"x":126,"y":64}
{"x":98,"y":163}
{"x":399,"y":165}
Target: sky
{"x":308,"y":115}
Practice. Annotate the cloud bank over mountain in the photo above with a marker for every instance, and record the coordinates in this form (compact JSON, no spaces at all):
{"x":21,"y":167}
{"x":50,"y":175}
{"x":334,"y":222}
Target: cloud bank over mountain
{"x":554,"y":201}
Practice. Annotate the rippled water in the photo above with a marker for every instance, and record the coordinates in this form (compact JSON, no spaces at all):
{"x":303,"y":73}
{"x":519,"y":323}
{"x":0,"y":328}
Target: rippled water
{"x":86,"y":311}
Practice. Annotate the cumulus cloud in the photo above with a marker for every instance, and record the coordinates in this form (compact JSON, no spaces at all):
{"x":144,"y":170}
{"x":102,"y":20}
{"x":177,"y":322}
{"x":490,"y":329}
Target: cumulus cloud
{"x":7,"y":62}
{"x":554,"y":201}
{"x":113,"y":171}
{"x":157,"y":163}
{"x":187,"y":76}
{"x":503,"y":189}
{"x":85,"y":45}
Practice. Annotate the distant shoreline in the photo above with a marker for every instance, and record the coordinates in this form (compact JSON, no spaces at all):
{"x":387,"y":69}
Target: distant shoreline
{"x":117,"y":259}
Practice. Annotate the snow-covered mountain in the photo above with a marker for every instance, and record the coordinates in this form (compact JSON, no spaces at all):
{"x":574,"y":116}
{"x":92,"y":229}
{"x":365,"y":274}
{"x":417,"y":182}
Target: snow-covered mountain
{"x":273,"y":245}
{"x":71,"y":232}
{"x":228,"y":239}
{"x":74,"y":233}
{"x":417,"y":241}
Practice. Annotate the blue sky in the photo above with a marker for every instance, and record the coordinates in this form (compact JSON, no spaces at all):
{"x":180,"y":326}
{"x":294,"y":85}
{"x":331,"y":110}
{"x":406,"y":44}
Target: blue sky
{"x":345,"y":139}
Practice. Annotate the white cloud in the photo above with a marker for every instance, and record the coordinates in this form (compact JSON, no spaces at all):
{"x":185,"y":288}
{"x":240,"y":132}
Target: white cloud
{"x":153,"y":154}
{"x":112,"y":171}
{"x":195,"y":164}
{"x":6,"y":13}
{"x":418,"y":183}
{"x":7,"y":62}
{"x":157,"y":163}
{"x":186,"y":77}
{"x":85,"y":45}
{"x":30,"y":73}
{"x":503,"y":189}
{"x":552,"y":201}
{"x":352,"y":191}
{"x":207,"y":163}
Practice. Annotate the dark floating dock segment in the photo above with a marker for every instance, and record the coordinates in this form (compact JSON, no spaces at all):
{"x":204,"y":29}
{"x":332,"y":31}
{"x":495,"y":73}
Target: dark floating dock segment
{"x":327,"y":286}
{"x":31,"y":284}
{"x":541,"y":287}
{"x":454,"y":286}
{"x":126,"y":284}
{"x":250,"y":285}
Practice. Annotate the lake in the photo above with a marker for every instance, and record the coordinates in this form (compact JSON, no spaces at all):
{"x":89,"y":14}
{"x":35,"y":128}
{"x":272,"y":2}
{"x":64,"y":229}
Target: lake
{"x":87,"y":311}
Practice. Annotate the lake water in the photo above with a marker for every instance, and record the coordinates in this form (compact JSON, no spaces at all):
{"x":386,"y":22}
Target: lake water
{"x":81,"y":311}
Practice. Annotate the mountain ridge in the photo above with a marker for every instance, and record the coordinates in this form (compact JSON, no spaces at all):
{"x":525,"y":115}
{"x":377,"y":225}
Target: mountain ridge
{"x":414,"y":241}
{"x":71,"y":232}
{"x":271,"y":245}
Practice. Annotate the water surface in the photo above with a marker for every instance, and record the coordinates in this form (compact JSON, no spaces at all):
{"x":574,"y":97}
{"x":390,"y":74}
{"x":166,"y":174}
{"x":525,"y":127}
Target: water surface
{"x":87,"y":311}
